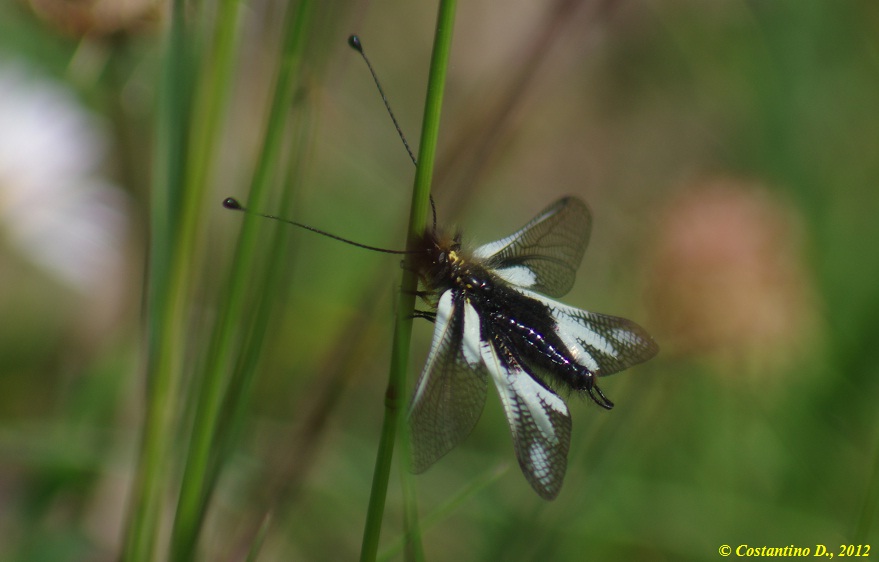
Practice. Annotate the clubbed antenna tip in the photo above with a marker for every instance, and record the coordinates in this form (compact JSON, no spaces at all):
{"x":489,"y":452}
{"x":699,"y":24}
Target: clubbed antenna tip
{"x":232,"y":203}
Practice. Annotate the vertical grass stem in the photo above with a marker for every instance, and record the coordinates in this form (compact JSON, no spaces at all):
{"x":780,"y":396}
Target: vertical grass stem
{"x":395,"y":393}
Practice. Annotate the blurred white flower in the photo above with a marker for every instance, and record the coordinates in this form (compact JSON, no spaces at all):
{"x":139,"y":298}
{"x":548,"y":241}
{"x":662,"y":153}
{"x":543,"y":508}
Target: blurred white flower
{"x":54,"y":206}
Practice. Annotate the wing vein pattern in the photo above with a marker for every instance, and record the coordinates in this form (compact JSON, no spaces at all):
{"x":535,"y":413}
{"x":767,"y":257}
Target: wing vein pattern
{"x":545,"y":254}
{"x":450,"y":393}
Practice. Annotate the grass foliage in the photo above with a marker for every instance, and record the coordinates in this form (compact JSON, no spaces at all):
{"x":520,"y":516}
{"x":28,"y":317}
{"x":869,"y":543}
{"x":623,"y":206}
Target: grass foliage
{"x":232,"y":410}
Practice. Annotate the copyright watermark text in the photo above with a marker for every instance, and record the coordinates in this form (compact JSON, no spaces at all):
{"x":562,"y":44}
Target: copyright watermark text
{"x":793,"y":551}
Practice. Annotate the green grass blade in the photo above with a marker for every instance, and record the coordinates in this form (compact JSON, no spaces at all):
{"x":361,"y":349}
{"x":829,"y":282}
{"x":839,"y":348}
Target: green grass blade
{"x":394,"y":395}
{"x":442,"y":512}
{"x":212,"y":404}
{"x":178,"y":196}
{"x":162,"y":374}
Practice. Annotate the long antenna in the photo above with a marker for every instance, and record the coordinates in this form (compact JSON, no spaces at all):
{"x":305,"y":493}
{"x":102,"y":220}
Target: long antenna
{"x":354,"y":42}
{"x":233,"y":204}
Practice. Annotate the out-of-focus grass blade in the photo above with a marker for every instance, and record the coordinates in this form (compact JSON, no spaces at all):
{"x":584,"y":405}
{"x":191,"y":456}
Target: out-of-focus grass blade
{"x":212,"y":401}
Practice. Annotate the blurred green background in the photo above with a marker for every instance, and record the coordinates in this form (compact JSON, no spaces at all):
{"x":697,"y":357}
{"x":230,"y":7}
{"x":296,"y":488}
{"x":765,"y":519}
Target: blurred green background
{"x":729,"y":152}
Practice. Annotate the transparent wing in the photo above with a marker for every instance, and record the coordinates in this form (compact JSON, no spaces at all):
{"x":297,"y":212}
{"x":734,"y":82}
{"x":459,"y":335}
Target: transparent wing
{"x":538,"y":418}
{"x":450,"y":393}
{"x":544,"y":254}
{"x":603,"y":344}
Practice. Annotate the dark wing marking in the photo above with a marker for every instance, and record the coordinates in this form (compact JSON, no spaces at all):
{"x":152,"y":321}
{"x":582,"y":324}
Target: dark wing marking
{"x":544,"y":254}
{"x":450,"y":393}
{"x":603,"y":344}
{"x":538,"y":418}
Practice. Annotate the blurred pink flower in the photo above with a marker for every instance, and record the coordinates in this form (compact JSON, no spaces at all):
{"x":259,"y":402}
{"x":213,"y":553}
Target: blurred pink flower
{"x":94,"y":18}
{"x":727,"y":279}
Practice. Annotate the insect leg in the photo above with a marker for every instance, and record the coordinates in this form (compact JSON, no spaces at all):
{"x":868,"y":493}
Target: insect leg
{"x":426,"y":314}
{"x":420,"y":294}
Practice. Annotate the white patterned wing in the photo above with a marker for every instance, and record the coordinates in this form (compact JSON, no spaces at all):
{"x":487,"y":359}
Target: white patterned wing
{"x":538,"y":419}
{"x":603,"y":344}
{"x":545,"y":254}
{"x":450,"y":393}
